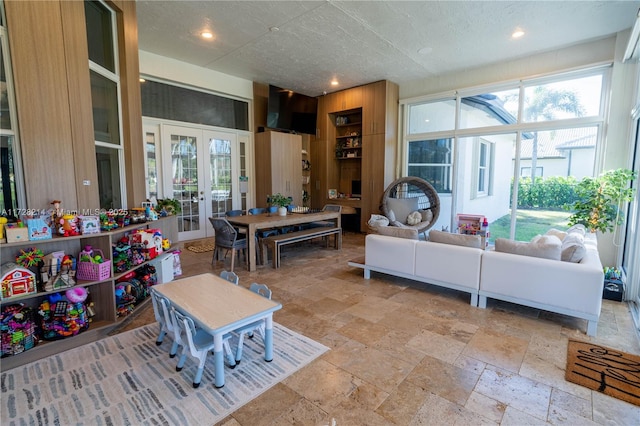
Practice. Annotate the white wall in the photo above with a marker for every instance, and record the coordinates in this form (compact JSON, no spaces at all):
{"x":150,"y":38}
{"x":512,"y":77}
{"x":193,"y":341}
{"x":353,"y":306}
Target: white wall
{"x":195,"y":76}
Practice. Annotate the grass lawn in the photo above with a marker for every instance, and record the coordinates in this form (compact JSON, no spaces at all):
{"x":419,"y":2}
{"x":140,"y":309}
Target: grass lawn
{"x":529,"y":223}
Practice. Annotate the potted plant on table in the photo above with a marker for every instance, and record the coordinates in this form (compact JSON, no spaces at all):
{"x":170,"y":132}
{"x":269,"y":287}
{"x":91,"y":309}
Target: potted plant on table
{"x":600,"y":200}
{"x":281,"y":201}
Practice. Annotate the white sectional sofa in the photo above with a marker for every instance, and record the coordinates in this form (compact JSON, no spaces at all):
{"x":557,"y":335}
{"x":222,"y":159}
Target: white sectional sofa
{"x":424,"y":261}
{"x":573,"y":289}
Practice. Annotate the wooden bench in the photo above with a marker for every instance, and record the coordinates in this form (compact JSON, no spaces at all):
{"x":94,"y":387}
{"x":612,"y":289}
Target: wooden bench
{"x":275,"y":242}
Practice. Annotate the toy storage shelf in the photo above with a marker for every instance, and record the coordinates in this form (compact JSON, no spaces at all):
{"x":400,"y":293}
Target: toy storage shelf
{"x":102,"y":292}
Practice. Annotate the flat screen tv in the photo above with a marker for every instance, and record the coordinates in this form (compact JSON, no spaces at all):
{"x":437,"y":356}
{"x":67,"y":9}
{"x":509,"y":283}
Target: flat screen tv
{"x":291,"y":111}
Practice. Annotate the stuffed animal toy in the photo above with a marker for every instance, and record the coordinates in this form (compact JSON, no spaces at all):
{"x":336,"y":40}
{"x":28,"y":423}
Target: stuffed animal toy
{"x":414,"y":218}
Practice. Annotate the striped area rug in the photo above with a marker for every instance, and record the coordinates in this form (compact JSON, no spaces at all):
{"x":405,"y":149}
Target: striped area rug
{"x":127,"y":380}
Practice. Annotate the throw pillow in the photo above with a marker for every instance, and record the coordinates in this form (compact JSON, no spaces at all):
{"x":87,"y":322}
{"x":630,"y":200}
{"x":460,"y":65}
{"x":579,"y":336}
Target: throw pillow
{"x":378,"y":220}
{"x":402,"y":207}
{"x":394,"y":231}
{"x":558,"y":233}
{"x":546,"y":247}
{"x":579,"y":228}
{"x":441,"y":237}
{"x":392,"y":216}
{"x":573,"y":249}
{"x":427,"y":215}
{"x":414,"y":218}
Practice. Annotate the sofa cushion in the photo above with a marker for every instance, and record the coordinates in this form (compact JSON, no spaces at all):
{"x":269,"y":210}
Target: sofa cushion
{"x":399,"y":232}
{"x":546,"y":247}
{"x":473,"y":241}
{"x":573,"y":249}
{"x":401,"y":208}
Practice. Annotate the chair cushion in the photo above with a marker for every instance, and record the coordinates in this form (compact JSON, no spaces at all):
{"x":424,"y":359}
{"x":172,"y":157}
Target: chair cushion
{"x":401,"y":208}
{"x":473,"y":241}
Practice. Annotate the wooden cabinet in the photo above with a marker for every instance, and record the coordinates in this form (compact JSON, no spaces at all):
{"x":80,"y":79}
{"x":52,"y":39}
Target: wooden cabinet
{"x":374,"y":108}
{"x":370,"y":156}
{"x":102,"y":293}
{"x":278,"y":166}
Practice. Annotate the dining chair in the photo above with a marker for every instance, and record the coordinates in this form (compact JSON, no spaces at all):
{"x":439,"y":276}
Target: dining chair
{"x":199,"y":343}
{"x":167,"y":325}
{"x":226,"y":237}
{"x":326,"y":208}
{"x":233,"y":213}
{"x":230,"y":276}
{"x":262,"y":233}
{"x":258,"y":326}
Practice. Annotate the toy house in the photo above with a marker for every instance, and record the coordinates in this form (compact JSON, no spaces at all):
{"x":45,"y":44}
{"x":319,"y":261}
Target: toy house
{"x":16,"y":281}
{"x":473,"y":224}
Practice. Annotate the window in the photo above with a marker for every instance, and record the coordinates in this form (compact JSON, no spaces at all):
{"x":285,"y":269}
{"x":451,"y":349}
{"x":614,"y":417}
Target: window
{"x":432,"y":116}
{"x":151,"y":148}
{"x":102,"y":44}
{"x":519,"y":147}
{"x":484,"y":172}
{"x":431,"y":160}
{"x":11,"y":183}
{"x":526,"y":171}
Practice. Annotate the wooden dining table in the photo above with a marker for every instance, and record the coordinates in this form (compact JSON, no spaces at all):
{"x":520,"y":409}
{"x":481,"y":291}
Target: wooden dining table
{"x":220,"y":307}
{"x":253,"y":223}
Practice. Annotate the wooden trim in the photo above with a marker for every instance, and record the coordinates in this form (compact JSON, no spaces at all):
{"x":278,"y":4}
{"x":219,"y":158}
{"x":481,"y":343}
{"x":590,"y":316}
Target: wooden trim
{"x":134,"y":163}
{"x":37,"y":47}
{"x":79,"y":84}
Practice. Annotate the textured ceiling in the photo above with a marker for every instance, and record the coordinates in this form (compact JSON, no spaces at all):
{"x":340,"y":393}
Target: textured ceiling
{"x":358,"y":42}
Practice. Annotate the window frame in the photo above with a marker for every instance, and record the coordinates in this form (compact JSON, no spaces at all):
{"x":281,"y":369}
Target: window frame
{"x":13,"y":132}
{"x":519,"y":127}
{"x":488,"y":168}
{"x":115,"y":78}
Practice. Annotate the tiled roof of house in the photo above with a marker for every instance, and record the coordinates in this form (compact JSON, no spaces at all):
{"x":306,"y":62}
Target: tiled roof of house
{"x":553,"y":144}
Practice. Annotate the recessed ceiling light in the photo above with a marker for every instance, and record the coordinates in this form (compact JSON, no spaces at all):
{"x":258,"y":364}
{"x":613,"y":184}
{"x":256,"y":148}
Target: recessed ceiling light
{"x":425,"y":50}
{"x":274,"y":29}
{"x":334,"y":82}
{"x":517,"y":33}
{"x":142,"y":80}
{"x":206,"y":34}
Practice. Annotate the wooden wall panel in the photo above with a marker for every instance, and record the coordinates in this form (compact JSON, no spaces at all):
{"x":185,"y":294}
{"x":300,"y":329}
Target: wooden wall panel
{"x":42,"y":98}
{"x":79,"y":84}
{"x":131,"y":103}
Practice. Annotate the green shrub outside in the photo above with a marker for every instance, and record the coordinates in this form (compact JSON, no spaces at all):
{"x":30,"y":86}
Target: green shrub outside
{"x":552,"y":193}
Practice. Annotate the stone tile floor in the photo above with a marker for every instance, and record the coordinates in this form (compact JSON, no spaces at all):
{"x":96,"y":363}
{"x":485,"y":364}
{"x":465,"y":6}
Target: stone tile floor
{"x":405,"y":353}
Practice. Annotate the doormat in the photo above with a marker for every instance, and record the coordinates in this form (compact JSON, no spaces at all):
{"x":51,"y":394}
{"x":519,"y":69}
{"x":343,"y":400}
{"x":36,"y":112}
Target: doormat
{"x":201,"y":249}
{"x":612,"y":372}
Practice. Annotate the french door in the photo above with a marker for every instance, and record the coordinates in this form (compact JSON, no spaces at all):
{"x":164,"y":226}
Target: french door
{"x":200,"y":168}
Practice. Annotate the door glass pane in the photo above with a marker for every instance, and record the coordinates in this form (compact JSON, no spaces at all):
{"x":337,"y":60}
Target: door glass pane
{"x":99,"y":35}
{"x":184,"y":169}
{"x":104,"y":98}
{"x":432,"y":116}
{"x":108,"y":162}
{"x":220,"y":161}
{"x":243,"y":173}
{"x":578,"y":97}
{"x":152,"y":166}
